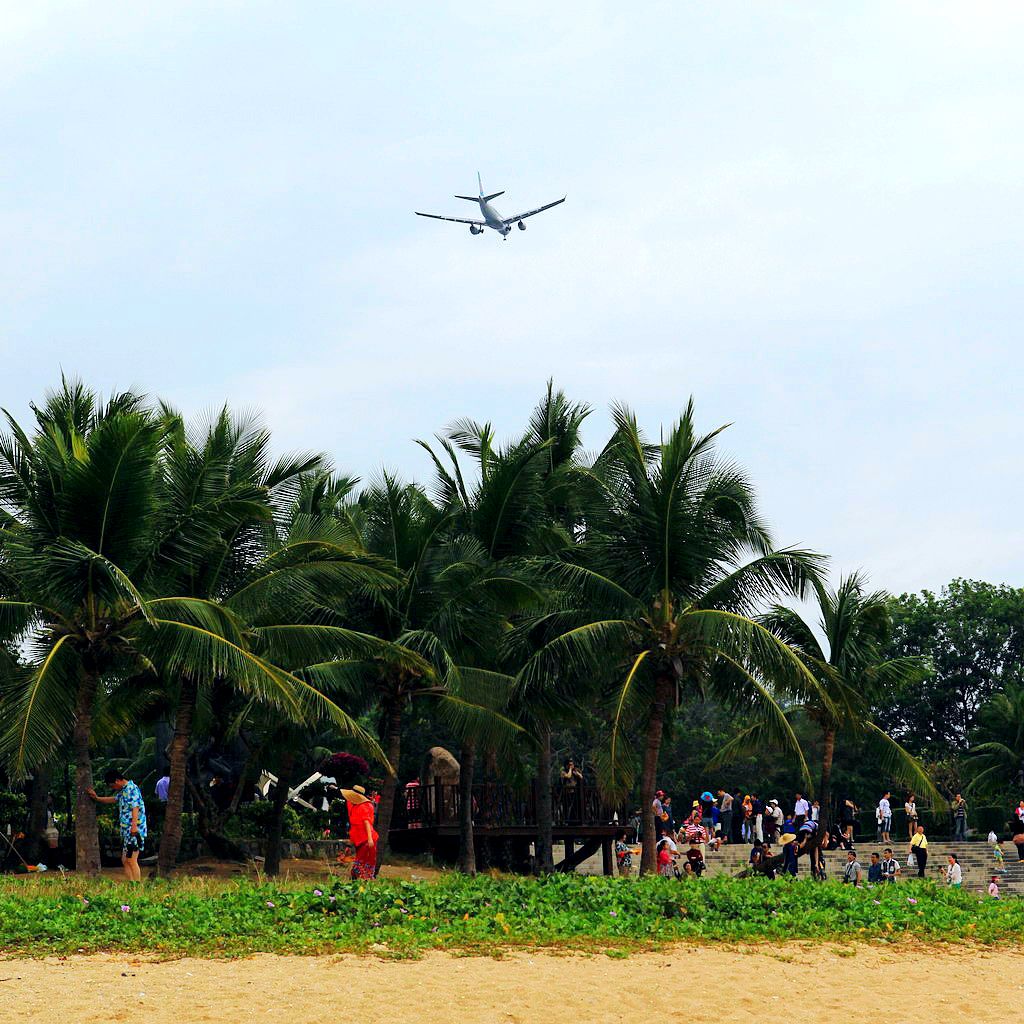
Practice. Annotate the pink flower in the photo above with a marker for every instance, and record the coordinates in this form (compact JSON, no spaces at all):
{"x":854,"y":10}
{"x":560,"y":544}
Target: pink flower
{"x":910,"y":899}
{"x":613,"y":913}
{"x":317,"y":892}
{"x":270,"y":904}
{"x":125,"y":908}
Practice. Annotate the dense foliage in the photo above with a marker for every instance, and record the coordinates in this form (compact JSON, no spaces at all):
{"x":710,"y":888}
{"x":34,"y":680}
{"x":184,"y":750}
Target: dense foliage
{"x":176,"y":601}
{"x":484,"y":914}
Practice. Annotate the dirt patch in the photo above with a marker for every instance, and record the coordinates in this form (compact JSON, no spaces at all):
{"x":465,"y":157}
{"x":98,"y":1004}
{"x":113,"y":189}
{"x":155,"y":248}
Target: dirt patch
{"x":305,"y":868}
{"x":976,"y":985}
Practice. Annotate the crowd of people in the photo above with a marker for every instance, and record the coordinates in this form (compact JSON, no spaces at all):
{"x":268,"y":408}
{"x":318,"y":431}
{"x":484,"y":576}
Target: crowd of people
{"x":778,"y":837}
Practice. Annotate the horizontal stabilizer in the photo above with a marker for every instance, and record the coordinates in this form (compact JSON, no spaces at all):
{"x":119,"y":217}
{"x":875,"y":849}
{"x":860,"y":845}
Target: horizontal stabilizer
{"x":495,"y":195}
{"x":472,"y":199}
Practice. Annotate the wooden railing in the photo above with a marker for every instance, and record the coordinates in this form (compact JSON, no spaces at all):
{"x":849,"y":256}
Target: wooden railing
{"x":498,"y":805}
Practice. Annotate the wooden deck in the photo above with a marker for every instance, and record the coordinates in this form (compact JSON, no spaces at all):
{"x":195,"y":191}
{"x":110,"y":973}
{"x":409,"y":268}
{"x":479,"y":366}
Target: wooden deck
{"x":505,"y":827}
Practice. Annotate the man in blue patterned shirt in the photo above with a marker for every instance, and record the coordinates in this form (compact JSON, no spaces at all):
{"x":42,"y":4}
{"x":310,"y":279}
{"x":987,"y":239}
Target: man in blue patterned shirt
{"x":131,"y":812}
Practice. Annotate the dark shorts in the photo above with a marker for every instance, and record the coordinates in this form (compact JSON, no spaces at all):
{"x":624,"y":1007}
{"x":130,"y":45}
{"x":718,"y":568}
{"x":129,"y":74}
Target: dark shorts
{"x":131,"y":844}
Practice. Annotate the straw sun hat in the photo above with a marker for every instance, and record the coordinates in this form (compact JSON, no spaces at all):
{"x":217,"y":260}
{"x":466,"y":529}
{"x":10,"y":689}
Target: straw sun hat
{"x":355,"y":795}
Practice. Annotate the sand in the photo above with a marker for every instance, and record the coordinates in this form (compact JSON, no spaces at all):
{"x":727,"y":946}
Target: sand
{"x":862,"y":982}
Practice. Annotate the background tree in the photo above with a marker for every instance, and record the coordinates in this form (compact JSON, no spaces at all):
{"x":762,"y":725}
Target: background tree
{"x":972,"y":633}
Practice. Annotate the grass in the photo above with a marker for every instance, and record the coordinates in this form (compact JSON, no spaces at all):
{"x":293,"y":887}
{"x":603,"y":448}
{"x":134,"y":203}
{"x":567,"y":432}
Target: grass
{"x":481,"y":915}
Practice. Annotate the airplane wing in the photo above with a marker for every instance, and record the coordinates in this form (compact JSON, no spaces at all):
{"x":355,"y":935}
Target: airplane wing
{"x":458,"y":220}
{"x":530,"y":213}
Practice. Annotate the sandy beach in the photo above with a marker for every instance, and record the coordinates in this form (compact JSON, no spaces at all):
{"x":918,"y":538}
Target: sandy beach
{"x":866,"y":982}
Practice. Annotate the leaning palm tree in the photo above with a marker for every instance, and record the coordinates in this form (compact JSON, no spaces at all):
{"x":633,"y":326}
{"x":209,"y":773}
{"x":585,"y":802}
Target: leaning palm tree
{"x":660,"y":597}
{"x":852,"y":671}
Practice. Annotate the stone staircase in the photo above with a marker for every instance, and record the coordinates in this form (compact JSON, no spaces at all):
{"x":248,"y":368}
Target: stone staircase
{"x":975,"y":858}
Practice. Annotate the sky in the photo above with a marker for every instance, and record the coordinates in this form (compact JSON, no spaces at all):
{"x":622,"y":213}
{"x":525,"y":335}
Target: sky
{"x":807,"y":216}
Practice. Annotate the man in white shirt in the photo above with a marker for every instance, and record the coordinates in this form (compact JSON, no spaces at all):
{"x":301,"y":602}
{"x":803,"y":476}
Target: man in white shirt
{"x":801,"y":809}
{"x":890,"y":867}
{"x":885,"y":816}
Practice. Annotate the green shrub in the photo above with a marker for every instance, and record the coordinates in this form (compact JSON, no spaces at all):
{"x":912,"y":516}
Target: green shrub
{"x":13,"y":808}
{"x":253,"y":822}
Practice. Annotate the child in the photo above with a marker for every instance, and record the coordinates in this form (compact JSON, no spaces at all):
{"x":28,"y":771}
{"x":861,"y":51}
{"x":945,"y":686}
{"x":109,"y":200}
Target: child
{"x":665,"y":860}
{"x":997,"y":856}
{"x":695,"y":860}
{"x":624,"y":855}
{"x":993,"y":887}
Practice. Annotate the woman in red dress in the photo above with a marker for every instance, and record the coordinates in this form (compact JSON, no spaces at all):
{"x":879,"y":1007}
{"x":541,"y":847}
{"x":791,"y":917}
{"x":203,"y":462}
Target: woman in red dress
{"x":361,"y":831}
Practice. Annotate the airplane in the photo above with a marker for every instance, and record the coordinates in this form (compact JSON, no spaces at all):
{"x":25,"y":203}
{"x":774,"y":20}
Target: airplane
{"x":492,"y":219}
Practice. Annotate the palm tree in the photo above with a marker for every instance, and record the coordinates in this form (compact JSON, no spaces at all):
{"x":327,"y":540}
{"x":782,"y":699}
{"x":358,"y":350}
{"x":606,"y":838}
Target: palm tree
{"x":852,"y":672}
{"x":997,"y":756}
{"x":80,"y":574}
{"x":227,"y":506}
{"x":555,"y":428}
{"x":662,"y":599}
{"x":494,"y":520}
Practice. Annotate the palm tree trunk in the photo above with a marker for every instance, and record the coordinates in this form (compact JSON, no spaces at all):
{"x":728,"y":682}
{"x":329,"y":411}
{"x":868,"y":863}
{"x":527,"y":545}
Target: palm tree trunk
{"x":170,"y":838}
{"x":649,"y":776}
{"x":272,"y":863}
{"x":467,"y":851}
{"x":545,"y":817}
{"x":87,"y":837}
{"x":35,"y":849}
{"x":393,"y":749}
{"x":825,"y":790}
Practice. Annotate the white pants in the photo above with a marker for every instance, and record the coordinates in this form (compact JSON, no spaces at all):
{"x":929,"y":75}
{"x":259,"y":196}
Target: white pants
{"x":758,"y":833}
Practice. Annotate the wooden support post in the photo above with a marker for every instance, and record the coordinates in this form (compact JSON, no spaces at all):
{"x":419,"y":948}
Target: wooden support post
{"x":570,"y":846}
{"x":607,"y":859}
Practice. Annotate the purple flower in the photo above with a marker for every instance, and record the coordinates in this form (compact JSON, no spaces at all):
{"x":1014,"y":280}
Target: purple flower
{"x":317,"y":892}
{"x":877,"y":903}
{"x":332,"y":898}
{"x":613,"y":913}
{"x":910,"y":899}
{"x":270,"y":904}
{"x":125,"y":908}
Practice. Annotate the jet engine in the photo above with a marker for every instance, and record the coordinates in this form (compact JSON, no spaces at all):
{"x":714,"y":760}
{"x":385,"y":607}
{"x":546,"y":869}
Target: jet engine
{"x":522,"y":226}
{"x":474,"y":230}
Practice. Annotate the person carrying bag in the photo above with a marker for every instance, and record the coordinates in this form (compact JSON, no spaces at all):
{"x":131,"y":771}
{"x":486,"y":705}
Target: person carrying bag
{"x":919,"y":851}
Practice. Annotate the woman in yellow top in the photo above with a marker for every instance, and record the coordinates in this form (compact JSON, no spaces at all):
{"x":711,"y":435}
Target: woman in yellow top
{"x":919,"y":848}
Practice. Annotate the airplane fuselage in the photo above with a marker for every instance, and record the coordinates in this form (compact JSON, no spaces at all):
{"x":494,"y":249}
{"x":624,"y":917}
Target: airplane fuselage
{"x":493,"y":218}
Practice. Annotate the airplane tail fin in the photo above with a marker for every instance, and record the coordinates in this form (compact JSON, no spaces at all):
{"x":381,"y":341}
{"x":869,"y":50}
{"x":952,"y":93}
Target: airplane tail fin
{"x":481,"y":198}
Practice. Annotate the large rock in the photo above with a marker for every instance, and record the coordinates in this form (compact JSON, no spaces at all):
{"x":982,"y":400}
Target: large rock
{"x":440,"y":766}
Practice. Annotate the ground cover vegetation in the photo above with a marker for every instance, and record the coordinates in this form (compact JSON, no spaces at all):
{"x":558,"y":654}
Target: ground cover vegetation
{"x":175,"y":599}
{"x":482,"y":914}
